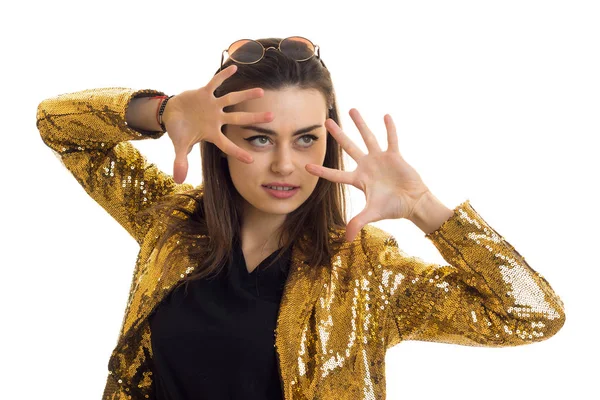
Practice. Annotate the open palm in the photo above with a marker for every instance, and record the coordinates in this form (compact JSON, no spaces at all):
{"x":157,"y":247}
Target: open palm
{"x":392,"y":187}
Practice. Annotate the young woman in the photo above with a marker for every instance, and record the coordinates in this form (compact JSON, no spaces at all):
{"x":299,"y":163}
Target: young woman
{"x":247,"y":289}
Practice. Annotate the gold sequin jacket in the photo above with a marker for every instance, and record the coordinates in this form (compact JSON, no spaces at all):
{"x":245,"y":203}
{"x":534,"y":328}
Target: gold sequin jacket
{"x":330,"y":340}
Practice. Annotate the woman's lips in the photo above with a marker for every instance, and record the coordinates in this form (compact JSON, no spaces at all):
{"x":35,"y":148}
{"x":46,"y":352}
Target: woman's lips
{"x":281,"y":194}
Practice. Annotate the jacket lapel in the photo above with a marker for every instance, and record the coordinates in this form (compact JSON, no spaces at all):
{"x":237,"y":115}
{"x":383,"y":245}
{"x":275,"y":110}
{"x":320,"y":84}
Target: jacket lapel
{"x":299,"y":298}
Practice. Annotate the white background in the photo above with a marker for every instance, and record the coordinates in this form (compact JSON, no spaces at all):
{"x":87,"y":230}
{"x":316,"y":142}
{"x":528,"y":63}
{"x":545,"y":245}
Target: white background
{"x":495,"y":102}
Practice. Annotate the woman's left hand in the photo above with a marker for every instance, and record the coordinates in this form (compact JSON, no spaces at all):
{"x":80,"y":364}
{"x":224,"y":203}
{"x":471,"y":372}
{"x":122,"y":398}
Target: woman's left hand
{"x":392,"y":187}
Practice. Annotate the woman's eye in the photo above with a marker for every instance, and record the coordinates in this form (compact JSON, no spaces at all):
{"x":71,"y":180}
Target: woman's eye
{"x":258,"y":140}
{"x":311,"y":137}
{"x":252,"y":139}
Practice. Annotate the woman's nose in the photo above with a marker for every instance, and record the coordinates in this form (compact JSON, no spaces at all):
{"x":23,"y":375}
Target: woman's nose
{"x":283,"y":161}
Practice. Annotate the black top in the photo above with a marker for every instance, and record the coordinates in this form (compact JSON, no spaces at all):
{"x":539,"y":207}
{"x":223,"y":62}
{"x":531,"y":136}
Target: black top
{"x":218,"y":342}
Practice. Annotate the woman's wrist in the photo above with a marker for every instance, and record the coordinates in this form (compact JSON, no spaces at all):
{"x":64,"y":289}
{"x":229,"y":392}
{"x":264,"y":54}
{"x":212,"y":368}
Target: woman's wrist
{"x":160,"y":112}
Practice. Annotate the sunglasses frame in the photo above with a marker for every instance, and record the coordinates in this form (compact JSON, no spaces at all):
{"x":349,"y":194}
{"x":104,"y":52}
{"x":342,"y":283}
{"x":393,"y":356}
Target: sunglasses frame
{"x":315,"y":47}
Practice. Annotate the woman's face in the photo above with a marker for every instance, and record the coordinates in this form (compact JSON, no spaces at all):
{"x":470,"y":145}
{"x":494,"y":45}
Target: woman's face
{"x":282,"y":155}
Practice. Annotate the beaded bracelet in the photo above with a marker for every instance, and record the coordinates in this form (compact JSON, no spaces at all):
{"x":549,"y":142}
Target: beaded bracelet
{"x":160,"y":113}
{"x":160,"y":109}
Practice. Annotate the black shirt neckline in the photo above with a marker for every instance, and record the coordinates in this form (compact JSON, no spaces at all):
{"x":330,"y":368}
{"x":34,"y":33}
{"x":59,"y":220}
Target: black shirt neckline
{"x":266,"y":283}
{"x":240,"y":260}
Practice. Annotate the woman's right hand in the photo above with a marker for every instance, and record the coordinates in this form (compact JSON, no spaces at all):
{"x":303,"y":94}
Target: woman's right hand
{"x":196,"y":115}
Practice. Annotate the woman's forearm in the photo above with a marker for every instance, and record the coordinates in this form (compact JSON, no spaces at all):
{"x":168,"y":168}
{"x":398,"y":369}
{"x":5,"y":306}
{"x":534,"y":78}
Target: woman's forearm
{"x":141,"y":114}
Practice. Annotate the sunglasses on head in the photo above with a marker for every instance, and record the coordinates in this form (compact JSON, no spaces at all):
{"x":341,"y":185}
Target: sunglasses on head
{"x":248,"y":51}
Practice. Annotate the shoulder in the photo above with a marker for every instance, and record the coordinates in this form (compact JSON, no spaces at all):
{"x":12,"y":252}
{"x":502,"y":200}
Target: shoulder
{"x":369,"y":244}
{"x":369,"y":236}
{"x":372,"y":232}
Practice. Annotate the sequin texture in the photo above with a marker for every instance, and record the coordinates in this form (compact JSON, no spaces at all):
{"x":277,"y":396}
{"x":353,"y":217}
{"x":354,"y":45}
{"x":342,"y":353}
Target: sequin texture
{"x":331,"y":339}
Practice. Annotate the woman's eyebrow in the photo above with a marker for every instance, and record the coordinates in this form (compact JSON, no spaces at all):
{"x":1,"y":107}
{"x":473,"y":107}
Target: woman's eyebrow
{"x":273,"y":133}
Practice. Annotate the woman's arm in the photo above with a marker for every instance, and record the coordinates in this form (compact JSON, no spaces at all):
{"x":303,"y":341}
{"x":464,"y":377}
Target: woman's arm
{"x":90,"y":132}
{"x":487,"y":296}
{"x":141,"y":114}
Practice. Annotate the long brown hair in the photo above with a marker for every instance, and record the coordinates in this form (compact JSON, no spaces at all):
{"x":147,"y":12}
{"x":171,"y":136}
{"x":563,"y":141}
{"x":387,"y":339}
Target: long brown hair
{"x":214,"y":208}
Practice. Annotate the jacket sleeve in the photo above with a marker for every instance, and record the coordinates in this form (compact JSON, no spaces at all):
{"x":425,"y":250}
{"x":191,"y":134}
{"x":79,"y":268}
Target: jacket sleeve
{"x":88,"y":132}
{"x":487,"y":296}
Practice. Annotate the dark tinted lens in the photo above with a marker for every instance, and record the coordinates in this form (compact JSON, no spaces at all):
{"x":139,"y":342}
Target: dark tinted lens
{"x":245,"y":51}
{"x":298,"y":48}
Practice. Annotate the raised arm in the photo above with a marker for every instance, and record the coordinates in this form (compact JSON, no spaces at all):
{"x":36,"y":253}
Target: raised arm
{"x":487,"y":296}
{"x":89,"y":132}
